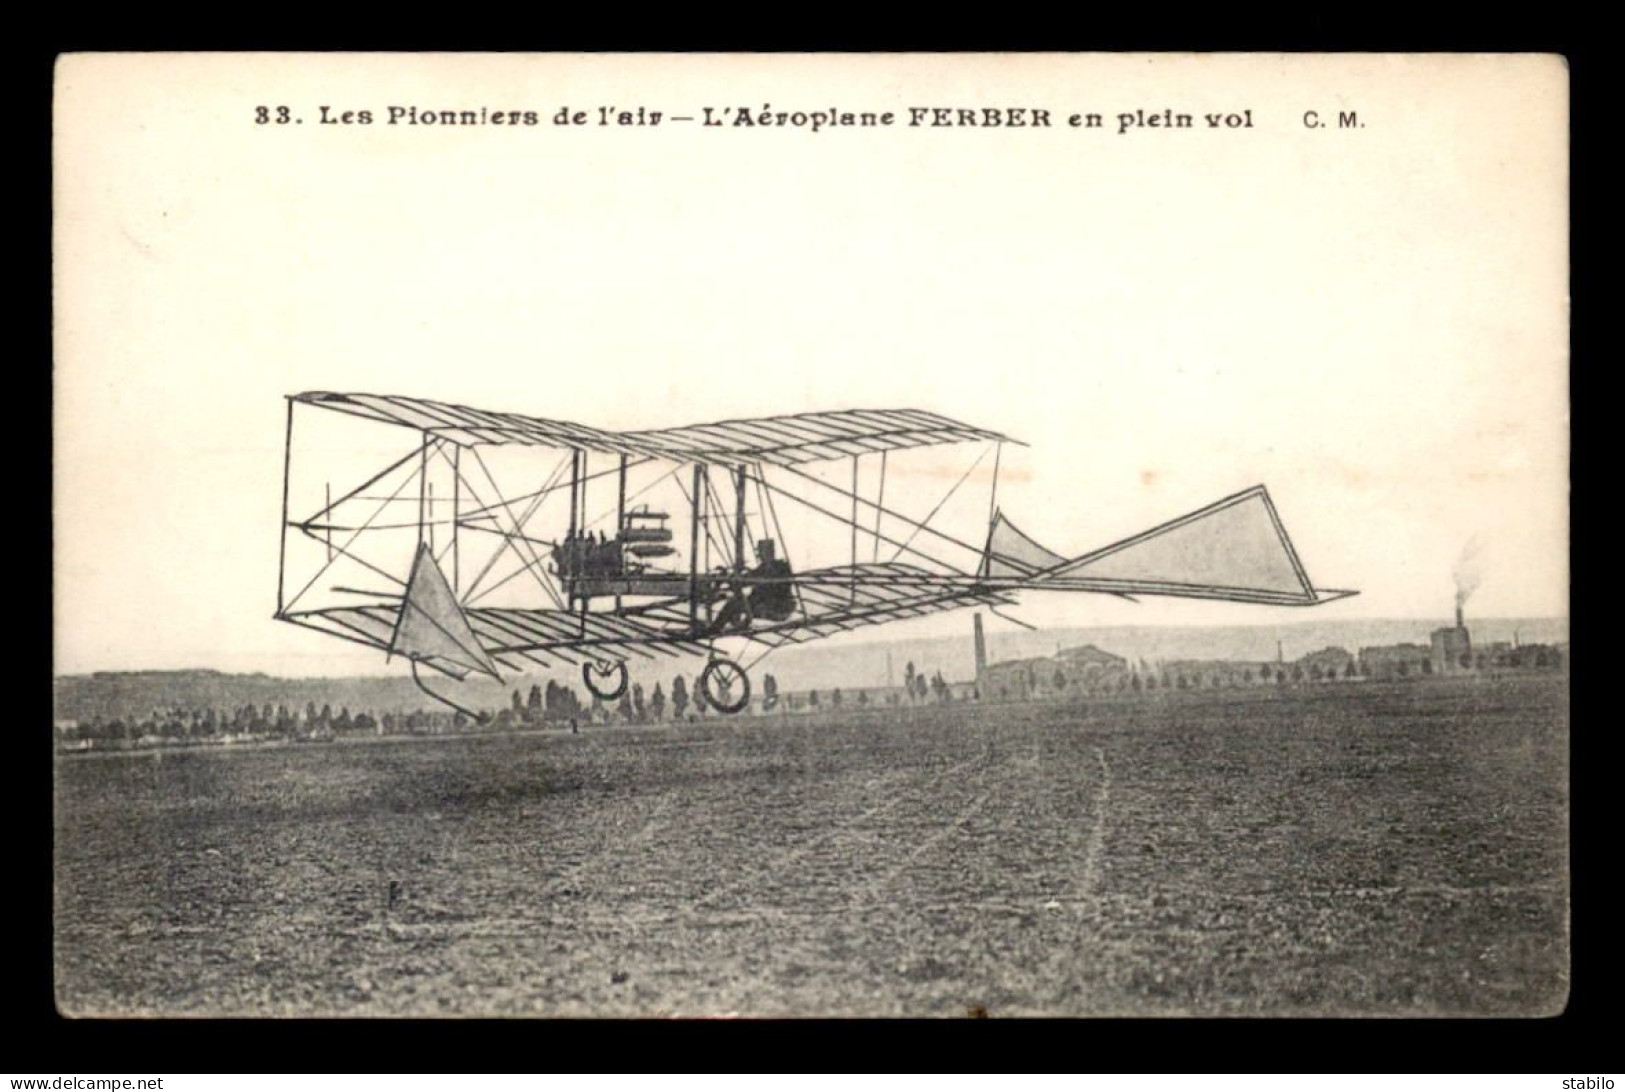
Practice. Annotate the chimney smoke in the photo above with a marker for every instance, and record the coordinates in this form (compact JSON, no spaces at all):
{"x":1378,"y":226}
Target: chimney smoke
{"x":1468,"y":573}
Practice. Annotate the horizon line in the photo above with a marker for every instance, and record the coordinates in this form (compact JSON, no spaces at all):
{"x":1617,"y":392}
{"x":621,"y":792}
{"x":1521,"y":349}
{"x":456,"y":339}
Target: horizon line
{"x":1564,"y":618}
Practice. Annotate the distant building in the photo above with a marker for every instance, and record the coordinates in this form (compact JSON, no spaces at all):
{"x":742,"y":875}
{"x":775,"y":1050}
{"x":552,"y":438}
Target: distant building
{"x":1087,"y":658}
{"x":1499,"y":655}
{"x":1086,"y":669}
{"x":1071,"y":669}
{"x":1451,"y":651}
{"x":1396,"y":661}
{"x":1328,"y":663}
{"x":1452,"y":647}
{"x":1016,"y":680}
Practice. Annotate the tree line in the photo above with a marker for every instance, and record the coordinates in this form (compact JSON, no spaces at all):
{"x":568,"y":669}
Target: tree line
{"x":267,"y":721}
{"x":554,"y":705}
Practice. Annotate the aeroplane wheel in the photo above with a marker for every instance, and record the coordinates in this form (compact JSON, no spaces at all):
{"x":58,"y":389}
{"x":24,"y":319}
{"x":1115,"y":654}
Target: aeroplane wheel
{"x":605,"y":680}
{"x":726,"y":686}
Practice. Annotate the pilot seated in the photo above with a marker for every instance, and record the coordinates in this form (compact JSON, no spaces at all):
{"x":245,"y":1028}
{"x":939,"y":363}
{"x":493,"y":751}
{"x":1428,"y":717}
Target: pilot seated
{"x":773,"y":600}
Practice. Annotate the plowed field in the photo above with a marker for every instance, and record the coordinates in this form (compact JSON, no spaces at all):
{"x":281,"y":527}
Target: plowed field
{"x":1343,"y":849}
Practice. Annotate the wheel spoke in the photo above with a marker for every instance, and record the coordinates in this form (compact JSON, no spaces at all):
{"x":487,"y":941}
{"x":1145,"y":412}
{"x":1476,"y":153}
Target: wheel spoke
{"x":719,"y":680}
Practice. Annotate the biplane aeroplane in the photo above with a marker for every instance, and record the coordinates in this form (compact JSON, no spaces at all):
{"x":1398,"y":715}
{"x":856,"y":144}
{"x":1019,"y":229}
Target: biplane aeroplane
{"x":473,"y":550}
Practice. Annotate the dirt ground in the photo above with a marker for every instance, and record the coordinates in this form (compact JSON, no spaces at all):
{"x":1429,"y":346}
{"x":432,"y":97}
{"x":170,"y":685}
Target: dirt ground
{"x":1346,"y":849}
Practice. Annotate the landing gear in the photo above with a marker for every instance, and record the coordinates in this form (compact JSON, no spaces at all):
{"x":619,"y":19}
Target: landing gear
{"x":725,"y":685}
{"x":605,"y":679}
{"x":476,"y":716}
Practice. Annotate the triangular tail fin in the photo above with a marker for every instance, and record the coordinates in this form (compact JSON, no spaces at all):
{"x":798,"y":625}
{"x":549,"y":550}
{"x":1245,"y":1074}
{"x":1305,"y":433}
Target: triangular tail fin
{"x":1011,"y":553}
{"x":1234,"y":549}
{"x":432,"y":628}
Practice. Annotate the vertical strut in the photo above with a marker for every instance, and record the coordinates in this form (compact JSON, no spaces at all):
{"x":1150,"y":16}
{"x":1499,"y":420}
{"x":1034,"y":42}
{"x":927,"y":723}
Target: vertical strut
{"x":282,"y":549}
{"x":880,"y":506}
{"x":570,"y":543}
{"x":423,"y":483}
{"x":586,"y":472}
{"x":993,"y":499}
{"x":739,"y":519}
{"x":854,"y":589}
{"x":706,"y":536}
{"x":456,"y":504}
{"x":329,"y":532}
{"x":620,"y":523}
{"x":985,"y":566}
{"x":575,"y":476}
{"x":694,"y":548}
{"x":620,"y":500}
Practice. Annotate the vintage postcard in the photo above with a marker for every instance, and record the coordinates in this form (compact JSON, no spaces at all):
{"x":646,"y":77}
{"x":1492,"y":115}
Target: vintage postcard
{"x":811,"y":535}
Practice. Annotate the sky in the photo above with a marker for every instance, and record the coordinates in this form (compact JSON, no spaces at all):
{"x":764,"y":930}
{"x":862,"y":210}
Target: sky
{"x":1372,"y":321}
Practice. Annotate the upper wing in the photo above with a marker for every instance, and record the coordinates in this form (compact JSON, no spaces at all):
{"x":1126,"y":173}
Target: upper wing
{"x":785,"y":441}
{"x":467,"y":426}
{"x":809,"y":437}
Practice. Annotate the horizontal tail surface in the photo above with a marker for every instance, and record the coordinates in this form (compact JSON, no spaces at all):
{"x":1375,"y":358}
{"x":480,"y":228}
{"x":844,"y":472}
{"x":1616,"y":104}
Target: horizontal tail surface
{"x":1235,"y":549}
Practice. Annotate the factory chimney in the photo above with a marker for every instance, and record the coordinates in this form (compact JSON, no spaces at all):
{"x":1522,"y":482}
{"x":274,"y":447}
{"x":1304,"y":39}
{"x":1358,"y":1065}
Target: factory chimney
{"x":981,"y":650}
{"x":1468,"y":573}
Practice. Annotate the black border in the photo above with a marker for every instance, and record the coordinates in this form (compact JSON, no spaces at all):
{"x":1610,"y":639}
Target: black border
{"x":1574,"y":1042}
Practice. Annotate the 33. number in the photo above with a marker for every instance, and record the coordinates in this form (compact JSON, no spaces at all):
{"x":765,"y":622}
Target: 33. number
{"x":263,"y":115}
